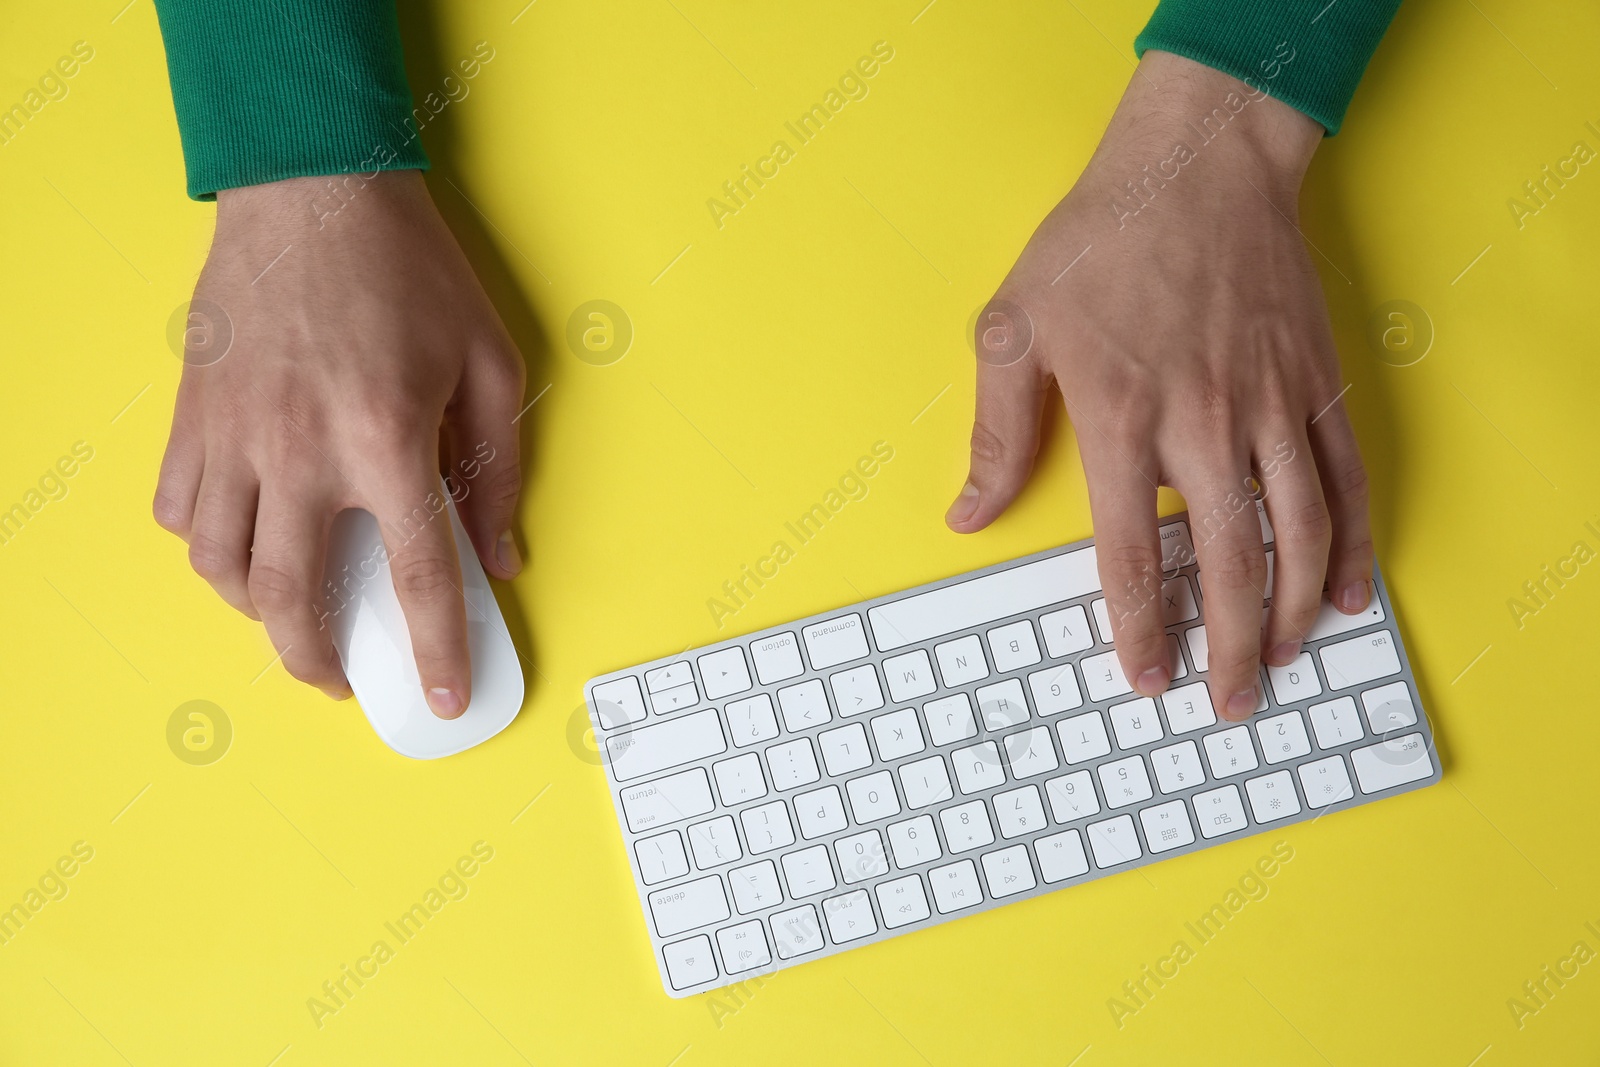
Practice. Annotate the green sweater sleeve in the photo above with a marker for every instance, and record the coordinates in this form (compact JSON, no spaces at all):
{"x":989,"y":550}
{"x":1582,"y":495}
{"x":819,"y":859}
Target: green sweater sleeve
{"x":1308,"y":53}
{"x":273,"y":89}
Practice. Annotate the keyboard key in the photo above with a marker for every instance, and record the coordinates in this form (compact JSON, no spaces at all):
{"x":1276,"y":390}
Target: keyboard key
{"x":1114,"y":841}
{"x":715,"y":842}
{"x":1177,"y":601}
{"x":792,"y":764}
{"x":1325,"y":782}
{"x":872,"y":797}
{"x":689,"y":963}
{"x":1177,"y":550}
{"x":835,"y":641}
{"x":1175,"y":658}
{"x":1330,"y":621}
{"x":1188,"y":707}
{"x":861,"y":857}
{"x":684,"y":696}
{"x":914,"y":841}
{"x":753,"y":720}
{"x":955,"y":886}
{"x":755,"y":888}
{"x":724,"y":673}
{"x":661,"y":858}
{"x":1103,"y":675}
{"x":672,"y":676}
{"x":820,"y":812}
{"x":1030,"y":752}
{"x":1230,"y":752}
{"x":777,"y":658}
{"x":966,"y":826}
{"x":961,"y":661}
{"x":950,"y":719}
{"x":649,"y":749}
{"x":1124,"y":781}
{"x":767,"y":827}
{"x":902,"y":901}
{"x":666,"y":800}
{"x":808,"y":872}
{"x":909,"y":676}
{"x":1296,"y":682}
{"x":1072,"y":797}
{"x":688,"y":906}
{"x":1283,"y":737}
{"x":925,"y":782}
{"x":1335,"y":722}
{"x":1136,"y":723}
{"x":1360,"y":659}
{"x":975,"y":602}
{"x":1061,"y":856}
{"x":1083,"y":737}
{"x":744,"y":947}
{"x":618,"y":703}
{"x":1389,"y":708}
{"x":850,"y":917}
{"x":1177,"y":766}
{"x":1199,"y":648}
{"x":1397,"y":761}
{"x":1055,"y":689}
{"x":845,"y":749}
{"x":1219,"y":811}
{"x":1008,"y":872}
{"x":1166,"y":826}
{"x":1019,"y":811}
{"x":796,"y":932}
{"x":1102,"y":622}
{"x":898,"y":734}
{"x":1002,"y":705}
{"x":1272,"y":797}
{"x":739,"y":779}
{"x":804,"y":705}
{"x":978,"y":767}
{"x":1066,"y":631}
{"x":856,"y":690}
{"x":1013,"y":647}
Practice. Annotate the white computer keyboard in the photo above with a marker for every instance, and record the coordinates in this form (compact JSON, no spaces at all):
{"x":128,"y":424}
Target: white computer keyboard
{"x":927,"y":755}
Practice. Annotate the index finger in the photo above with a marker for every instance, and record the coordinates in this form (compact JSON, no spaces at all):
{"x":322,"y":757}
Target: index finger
{"x":411,"y":513}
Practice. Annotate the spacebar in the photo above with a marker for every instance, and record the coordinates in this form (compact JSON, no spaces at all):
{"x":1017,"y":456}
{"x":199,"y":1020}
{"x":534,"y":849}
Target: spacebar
{"x":979,"y":600}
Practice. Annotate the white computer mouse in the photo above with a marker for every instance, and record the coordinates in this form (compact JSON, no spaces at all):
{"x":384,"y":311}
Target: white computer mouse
{"x":369,"y":630}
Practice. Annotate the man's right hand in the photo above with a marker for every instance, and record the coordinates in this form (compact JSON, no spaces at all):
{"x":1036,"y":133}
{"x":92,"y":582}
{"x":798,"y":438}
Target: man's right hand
{"x":365,"y":357}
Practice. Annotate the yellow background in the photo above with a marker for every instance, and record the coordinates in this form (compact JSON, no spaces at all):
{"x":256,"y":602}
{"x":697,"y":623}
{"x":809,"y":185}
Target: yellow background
{"x":222,"y":897}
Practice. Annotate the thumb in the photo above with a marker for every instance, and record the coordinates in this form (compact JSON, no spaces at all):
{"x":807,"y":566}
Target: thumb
{"x":1005,"y":428}
{"x":485,"y":472}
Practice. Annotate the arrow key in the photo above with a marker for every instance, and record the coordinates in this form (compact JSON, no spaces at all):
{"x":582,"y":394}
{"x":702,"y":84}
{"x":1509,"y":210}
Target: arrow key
{"x":724,"y":673}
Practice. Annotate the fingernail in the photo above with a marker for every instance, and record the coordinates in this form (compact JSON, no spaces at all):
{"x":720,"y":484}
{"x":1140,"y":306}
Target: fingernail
{"x":1353,"y":597}
{"x":505,"y":550}
{"x":1284,"y":654}
{"x":1241,"y":704}
{"x":445,"y":703}
{"x":964,"y":505}
{"x":1152,"y":682}
{"x":334,"y":694}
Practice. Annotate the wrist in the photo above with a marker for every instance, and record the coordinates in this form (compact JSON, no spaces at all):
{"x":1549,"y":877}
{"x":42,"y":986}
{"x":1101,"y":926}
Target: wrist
{"x":1173,"y":101}
{"x":314,"y":202}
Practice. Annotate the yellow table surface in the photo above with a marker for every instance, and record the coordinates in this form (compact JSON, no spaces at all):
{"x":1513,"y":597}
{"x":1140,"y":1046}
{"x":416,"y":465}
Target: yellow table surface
{"x":829,"y":313}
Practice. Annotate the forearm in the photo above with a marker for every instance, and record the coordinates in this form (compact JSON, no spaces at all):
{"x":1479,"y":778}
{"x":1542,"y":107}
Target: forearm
{"x":290,"y":88}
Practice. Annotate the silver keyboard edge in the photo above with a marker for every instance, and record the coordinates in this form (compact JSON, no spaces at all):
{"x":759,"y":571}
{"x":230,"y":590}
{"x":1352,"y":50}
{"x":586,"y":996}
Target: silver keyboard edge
{"x":876,"y":658}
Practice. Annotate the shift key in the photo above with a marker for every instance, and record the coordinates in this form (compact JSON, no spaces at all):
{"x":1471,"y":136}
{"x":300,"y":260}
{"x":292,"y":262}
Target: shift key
{"x":635,"y":753}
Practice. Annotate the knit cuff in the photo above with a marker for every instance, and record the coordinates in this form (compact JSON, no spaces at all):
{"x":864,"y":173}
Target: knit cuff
{"x":274,"y":89}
